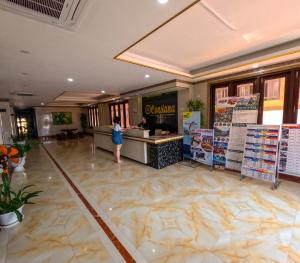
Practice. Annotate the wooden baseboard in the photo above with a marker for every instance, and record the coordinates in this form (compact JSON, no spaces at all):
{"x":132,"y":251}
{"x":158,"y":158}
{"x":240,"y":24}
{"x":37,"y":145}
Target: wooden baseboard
{"x":291,"y":178}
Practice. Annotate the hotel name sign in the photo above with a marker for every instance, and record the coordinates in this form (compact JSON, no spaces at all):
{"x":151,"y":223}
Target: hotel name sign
{"x":151,"y":109}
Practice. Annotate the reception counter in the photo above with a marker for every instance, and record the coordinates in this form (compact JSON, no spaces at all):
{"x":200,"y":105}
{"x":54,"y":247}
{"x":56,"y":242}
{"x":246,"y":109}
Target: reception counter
{"x":157,"y":151}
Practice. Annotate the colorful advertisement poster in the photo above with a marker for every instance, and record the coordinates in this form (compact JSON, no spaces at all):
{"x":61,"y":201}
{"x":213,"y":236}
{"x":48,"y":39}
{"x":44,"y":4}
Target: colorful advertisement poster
{"x":202,"y":146}
{"x":232,"y":115}
{"x":289,"y":158}
{"x":191,"y":122}
{"x":260,"y":152}
{"x":235,"y":149}
{"x":221,"y":138}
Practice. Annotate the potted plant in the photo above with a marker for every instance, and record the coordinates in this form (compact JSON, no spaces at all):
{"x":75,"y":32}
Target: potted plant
{"x":22,"y":150}
{"x":11,"y":201}
{"x":196,"y":105}
{"x":19,"y":138}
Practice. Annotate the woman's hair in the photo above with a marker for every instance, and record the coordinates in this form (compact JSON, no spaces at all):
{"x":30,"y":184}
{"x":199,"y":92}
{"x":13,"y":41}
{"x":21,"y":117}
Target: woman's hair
{"x":117,"y":120}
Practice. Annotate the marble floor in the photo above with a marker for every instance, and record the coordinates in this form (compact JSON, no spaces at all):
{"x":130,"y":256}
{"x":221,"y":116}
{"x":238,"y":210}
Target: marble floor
{"x":54,"y":227}
{"x":176,"y":214}
{"x":181,"y":214}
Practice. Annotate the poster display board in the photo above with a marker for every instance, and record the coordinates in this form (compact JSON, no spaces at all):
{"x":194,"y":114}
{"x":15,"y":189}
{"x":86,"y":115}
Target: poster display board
{"x":244,"y":112}
{"x":221,"y":138}
{"x":261,"y":153}
{"x":202,"y":146}
{"x":289,"y":157}
{"x":232,"y":115}
{"x":191,"y":122}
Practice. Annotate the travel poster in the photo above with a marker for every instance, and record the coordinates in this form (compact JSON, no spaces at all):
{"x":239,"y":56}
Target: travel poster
{"x":221,"y":138}
{"x":191,"y":122}
{"x":289,"y":157}
{"x":244,"y":112}
{"x":202,"y":146}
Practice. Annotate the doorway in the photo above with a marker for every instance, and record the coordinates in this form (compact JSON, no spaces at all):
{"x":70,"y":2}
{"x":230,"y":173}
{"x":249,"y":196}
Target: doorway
{"x":26,"y":123}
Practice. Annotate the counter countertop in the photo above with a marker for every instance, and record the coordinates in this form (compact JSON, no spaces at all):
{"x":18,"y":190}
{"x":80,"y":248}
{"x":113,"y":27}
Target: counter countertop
{"x":152,"y":139}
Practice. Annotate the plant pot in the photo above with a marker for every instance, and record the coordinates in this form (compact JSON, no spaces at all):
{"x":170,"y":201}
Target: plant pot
{"x":19,"y":167}
{"x":10,"y":219}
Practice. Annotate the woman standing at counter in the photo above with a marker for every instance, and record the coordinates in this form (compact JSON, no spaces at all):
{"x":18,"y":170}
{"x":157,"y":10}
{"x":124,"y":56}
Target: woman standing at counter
{"x":117,"y":138}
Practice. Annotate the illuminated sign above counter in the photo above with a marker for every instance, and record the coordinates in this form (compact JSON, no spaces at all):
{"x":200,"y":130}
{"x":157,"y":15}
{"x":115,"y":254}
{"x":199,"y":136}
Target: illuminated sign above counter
{"x":161,"y":111}
{"x":156,"y":110}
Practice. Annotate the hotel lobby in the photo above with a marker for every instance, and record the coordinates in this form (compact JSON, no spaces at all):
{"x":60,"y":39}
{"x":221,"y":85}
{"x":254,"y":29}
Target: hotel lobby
{"x":159,"y":131}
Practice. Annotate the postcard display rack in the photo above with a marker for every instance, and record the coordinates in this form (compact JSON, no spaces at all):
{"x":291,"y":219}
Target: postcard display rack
{"x":260,"y":159}
{"x":289,"y":157}
{"x":232,"y":115}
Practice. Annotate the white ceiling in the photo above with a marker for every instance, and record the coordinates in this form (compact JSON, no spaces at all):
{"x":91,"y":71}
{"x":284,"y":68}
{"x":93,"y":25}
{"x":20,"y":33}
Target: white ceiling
{"x":198,"y":38}
{"x":193,"y":40}
{"x":106,"y":28}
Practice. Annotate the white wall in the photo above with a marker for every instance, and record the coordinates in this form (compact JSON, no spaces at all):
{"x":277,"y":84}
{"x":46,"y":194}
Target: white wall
{"x":135,"y":110}
{"x":104,"y":115}
{"x":5,"y":124}
{"x":44,"y":120}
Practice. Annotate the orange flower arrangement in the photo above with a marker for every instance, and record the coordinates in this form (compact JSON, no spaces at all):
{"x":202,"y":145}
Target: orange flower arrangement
{"x":7,"y":154}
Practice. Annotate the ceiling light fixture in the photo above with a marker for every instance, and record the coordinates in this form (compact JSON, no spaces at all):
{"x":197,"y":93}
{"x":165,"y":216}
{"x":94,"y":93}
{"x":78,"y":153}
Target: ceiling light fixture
{"x":255,"y":66}
{"x":42,"y":103}
{"x":102,"y":91}
{"x":162,"y":1}
{"x":147,"y":76}
{"x":70,"y":79}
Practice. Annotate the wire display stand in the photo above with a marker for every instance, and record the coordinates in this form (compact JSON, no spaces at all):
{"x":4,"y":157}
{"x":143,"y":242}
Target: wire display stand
{"x":261,"y":153}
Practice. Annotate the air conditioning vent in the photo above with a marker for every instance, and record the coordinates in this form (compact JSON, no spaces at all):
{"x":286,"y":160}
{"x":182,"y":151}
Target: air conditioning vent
{"x":50,"y":8}
{"x":62,"y":13}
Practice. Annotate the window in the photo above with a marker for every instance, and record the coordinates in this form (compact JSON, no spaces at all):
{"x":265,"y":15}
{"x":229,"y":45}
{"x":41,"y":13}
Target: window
{"x":93,"y":116}
{"x":244,"y":89}
{"x":120,"y":110}
{"x":272,"y":88}
{"x":273,"y":100}
{"x":279,"y":94}
{"x":221,"y":93}
{"x":22,"y":126}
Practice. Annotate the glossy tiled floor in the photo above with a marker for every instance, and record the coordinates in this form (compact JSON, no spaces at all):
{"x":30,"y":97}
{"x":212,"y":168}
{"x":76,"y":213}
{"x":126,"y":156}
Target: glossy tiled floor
{"x":180,"y":214}
{"x":56,"y":228}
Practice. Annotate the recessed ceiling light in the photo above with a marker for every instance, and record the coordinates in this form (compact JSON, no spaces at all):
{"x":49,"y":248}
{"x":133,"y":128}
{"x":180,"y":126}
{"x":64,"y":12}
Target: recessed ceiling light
{"x":42,"y":103}
{"x":23,"y":51}
{"x":255,"y":66}
{"x":102,"y":91}
{"x":147,"y":76}
{"x":70,"y":79}
{"x":162,"y":1}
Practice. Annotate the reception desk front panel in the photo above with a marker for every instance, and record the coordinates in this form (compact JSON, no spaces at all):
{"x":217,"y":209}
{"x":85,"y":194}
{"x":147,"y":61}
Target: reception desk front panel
{"x":157,"y":151}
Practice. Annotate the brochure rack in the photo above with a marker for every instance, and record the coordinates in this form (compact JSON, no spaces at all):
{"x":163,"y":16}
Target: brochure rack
{"x":260,"y":158}
{"x":289,"y":153}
